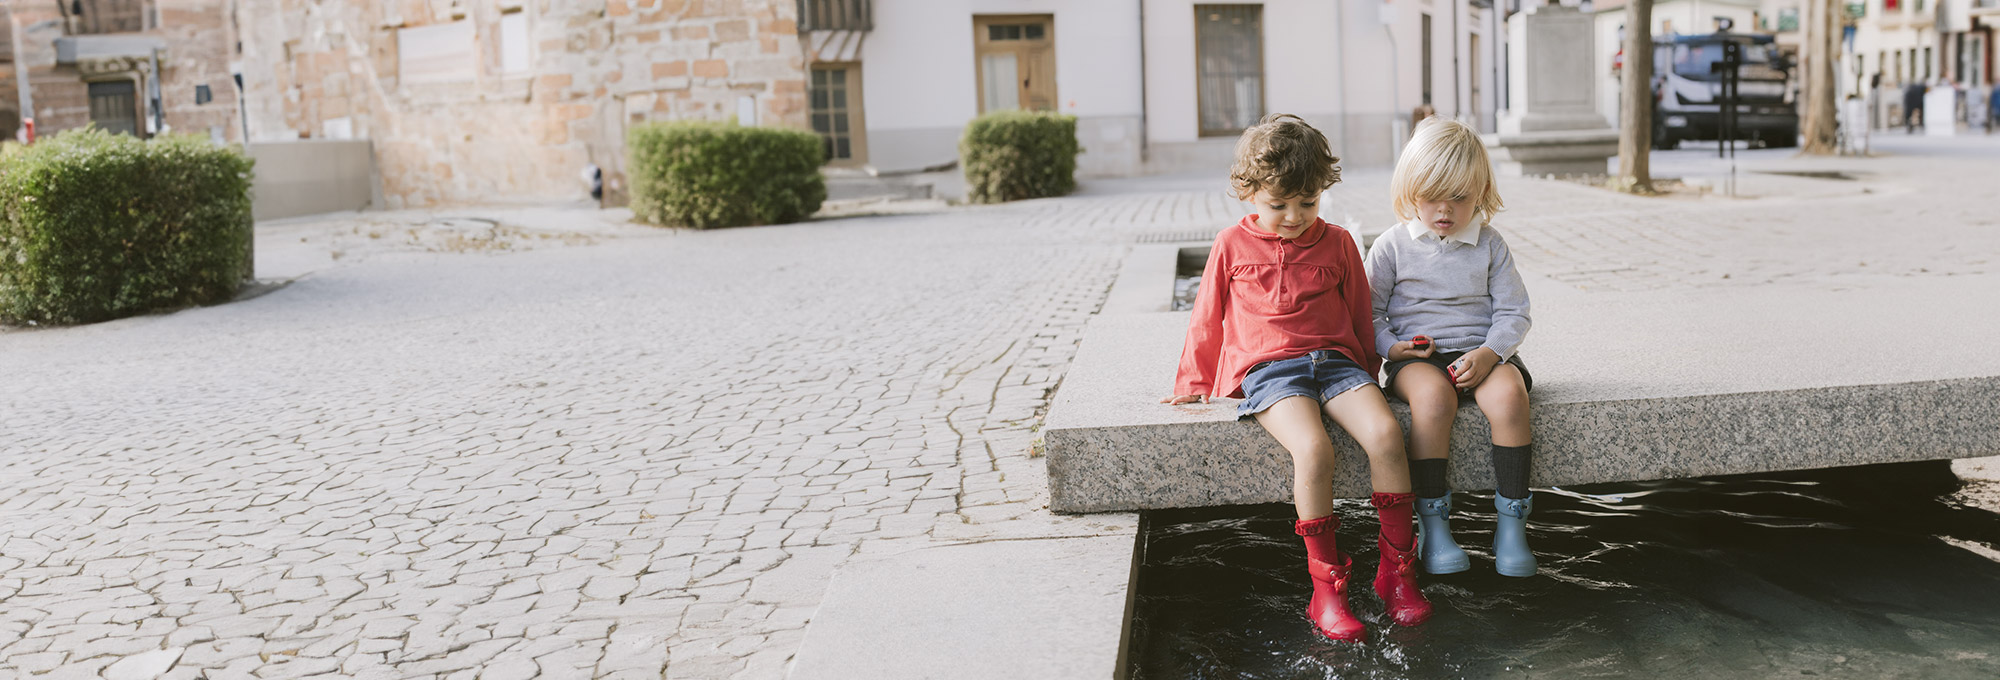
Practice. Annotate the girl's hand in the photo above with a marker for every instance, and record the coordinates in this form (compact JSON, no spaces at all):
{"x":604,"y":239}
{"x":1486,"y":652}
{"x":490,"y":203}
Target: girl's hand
{"x":1473,"y":368}
{"x":1179,"y":399}
{"x":1406,"y":350}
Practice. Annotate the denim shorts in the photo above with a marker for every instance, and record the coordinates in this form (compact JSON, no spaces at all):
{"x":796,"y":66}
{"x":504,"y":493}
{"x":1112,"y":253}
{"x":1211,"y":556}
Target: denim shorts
{"x":1322,"y":375}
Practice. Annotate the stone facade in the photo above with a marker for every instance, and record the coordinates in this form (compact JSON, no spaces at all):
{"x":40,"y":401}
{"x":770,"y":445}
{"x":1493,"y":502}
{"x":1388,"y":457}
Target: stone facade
{"x":477,"y":100}
{"x":197,"y":41}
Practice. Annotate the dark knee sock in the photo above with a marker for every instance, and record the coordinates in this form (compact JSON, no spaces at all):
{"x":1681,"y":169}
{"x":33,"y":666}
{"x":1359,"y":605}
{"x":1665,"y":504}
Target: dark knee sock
{"x":1510,"y":469}
{"x":1427,"y":475}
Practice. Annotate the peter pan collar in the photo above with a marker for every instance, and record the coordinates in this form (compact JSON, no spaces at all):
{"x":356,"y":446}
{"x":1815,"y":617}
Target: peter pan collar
{"x":1467,"y":233}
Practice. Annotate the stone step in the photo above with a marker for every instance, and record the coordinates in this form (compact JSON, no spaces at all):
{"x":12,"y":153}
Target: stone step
{"x":1680,"y":382}
{"x":1053,"y":608}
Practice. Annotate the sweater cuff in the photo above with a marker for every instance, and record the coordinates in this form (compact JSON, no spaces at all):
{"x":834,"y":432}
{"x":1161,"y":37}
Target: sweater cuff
{"x":1385,"y":340}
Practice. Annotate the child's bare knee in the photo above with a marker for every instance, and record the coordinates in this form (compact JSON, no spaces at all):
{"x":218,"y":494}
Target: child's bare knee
{"x":1433,"y":408}
{"x":1314,"y":464}
{"x":1379,"y":437}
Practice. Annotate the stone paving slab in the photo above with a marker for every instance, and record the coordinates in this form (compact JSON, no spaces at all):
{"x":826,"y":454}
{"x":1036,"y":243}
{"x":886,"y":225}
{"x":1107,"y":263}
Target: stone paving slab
{"x":1053,"y":608}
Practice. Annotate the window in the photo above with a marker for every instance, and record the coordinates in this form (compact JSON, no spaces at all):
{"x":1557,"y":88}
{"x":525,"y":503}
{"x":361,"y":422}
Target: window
{"x":107,"y":16}
{"x":1002,"y":32}
{"x":836,"y":109}
{"x":1229,"y":58}
{"x":1015,"y":62}
{"x":1426,"y":70}
{"x":1927,"y":58}
{"x":114,"y":106}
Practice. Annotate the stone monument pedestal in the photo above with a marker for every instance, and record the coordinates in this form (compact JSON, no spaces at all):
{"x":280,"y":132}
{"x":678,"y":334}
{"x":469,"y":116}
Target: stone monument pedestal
{"x":1553,"y":126}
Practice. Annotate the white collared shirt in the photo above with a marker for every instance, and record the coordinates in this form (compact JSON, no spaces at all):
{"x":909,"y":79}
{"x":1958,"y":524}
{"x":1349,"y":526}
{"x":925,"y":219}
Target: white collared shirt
{"x":1466,"y":233}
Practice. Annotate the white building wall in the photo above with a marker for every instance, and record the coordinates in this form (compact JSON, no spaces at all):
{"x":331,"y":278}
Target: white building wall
{"x":920,"y":78}
{"x":1351,"y":79}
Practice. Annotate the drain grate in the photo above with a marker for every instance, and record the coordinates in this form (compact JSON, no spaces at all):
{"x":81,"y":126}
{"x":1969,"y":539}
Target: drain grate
{"x":1178,"y":236}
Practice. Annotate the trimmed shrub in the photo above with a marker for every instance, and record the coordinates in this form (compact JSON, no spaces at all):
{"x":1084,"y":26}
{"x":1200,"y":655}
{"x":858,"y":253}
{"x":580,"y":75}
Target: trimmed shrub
{"x":1012,"y":155}
{"x":705,"y":174}
{"x":96,"y":226}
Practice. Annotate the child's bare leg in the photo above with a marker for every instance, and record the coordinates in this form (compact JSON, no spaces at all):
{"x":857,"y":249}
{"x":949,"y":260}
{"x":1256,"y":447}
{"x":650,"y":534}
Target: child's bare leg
{"x":1433,"y":404}
{"x":1365,"y":415}
{"x":1295,"y":422}
{"x":1503,"y":397}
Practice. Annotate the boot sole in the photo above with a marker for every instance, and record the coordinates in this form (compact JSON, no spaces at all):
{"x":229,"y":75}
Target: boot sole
{"x":1515,"y":570}
{"x":1447,"y":566}
{"x":1358,"y":635}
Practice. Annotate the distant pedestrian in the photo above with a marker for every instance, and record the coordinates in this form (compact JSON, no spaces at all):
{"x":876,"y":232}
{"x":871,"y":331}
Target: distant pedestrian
{"x":1450,"y":310}
{"x":1913,"y":106}
{"x":1977,"y":111}
{"x":1282,"y":321}
{"x":1874,"y":100}
{"x":1993,"y":109}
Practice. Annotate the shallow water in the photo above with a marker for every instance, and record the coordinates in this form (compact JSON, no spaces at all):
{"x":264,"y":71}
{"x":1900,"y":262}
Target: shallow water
{"x":1869,"y":572}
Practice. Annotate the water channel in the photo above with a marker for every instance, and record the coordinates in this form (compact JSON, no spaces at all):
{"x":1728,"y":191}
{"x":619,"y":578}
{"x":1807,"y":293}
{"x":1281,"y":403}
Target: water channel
{"x":1868,"y":572}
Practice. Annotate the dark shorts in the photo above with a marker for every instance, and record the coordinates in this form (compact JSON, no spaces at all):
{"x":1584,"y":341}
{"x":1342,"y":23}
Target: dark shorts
{"x":1443,"y":359}
{"x":1322,"y":375}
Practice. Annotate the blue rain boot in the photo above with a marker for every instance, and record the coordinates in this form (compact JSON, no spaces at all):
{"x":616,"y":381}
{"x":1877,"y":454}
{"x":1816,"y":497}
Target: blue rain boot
{"x":1439,"y":553}
{"x":1511,"y":556}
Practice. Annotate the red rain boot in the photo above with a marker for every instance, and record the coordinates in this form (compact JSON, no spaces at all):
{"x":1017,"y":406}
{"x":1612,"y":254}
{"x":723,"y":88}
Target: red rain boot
{"x":1396,"y":576}
{"x":1329,"y":569}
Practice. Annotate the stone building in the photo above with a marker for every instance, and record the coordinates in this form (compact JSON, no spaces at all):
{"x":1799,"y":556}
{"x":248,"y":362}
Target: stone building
{"x":136,"y":66}
{"x":482,"y":100}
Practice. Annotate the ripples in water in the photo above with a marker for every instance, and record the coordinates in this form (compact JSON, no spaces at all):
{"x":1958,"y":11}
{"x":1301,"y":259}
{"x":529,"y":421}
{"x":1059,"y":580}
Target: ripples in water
{"x":1868,"y":572}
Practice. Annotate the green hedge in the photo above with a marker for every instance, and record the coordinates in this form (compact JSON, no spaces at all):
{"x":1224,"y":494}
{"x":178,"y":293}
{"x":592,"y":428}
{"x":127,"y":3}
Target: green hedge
{"x":703,"y":174}
{"x":1011,"y":155}
{"x":96,"y":226}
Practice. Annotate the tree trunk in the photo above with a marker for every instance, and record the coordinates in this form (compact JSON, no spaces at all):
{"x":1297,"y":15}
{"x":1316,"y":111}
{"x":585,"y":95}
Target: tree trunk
{"x":1635,"y":101}
{"x":1823,"y":45}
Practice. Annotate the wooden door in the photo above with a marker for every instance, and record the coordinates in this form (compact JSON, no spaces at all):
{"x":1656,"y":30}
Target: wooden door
{"x":1015,"y":61}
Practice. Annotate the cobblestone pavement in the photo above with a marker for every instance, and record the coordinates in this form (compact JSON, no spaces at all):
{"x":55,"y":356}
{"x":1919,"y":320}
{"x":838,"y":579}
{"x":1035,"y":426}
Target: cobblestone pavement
{"x":607,"y":460}
{"x":639,"y":453}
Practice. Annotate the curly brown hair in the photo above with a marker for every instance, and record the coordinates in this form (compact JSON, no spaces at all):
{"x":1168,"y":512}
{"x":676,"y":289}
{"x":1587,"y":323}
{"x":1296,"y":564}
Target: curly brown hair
{"x":1283,"y":154}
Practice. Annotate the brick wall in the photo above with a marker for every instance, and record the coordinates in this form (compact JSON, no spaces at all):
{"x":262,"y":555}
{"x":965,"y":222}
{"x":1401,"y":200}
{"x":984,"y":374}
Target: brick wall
{"x":453,"y":131}
{"x":200,"y":41}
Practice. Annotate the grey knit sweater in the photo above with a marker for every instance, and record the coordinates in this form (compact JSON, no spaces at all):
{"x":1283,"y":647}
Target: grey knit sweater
{"x":1462,"y":290}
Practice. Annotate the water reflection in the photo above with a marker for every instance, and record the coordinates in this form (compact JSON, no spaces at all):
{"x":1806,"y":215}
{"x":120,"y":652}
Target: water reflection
{"x":1854,"y":572}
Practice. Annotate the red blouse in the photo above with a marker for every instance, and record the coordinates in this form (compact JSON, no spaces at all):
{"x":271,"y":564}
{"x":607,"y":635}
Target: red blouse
{"x":1264,"y":298}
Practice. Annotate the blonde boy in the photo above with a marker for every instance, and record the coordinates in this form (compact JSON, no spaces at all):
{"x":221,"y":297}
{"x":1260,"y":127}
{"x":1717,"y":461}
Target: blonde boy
{"x":1450,"y":311}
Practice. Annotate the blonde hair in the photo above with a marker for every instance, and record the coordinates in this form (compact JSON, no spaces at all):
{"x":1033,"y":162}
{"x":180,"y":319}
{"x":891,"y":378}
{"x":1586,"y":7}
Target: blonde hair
{"x":1284,"y":155}
{"x":1445,"y":159}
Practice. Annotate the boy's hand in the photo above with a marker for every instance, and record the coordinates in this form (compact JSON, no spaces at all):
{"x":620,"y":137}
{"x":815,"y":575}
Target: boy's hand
{"x":1179,"y":399}
{"x":1472,"y":369}
{"x":1407,"y":350}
